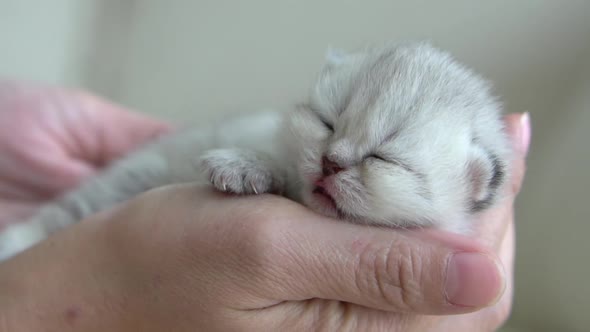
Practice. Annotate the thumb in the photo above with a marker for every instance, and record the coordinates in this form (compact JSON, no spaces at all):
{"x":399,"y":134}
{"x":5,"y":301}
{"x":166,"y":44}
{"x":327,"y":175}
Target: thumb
{"x":384,"y":269}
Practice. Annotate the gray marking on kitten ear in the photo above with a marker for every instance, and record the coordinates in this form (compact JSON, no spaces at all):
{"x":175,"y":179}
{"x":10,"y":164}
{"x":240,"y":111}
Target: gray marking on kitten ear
{"x":487,"y":173}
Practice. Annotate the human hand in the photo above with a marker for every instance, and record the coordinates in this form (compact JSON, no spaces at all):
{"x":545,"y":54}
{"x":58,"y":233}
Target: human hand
{"x":496,"y":231}
{"x":184,"y":258}
{"x":51,"y":139}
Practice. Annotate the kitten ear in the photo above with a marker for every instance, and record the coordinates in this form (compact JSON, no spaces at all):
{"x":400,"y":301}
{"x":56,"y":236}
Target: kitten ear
{"x":484,"y":174}
{"x":336,"y":57}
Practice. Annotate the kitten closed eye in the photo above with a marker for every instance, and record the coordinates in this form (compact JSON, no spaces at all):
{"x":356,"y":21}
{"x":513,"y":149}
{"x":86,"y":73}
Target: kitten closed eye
{"x":391,"y":161}
{"x":327,"y":124}
{"x":378,"y":157}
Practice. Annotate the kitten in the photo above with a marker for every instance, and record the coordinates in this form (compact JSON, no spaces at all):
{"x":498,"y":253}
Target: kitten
{"x":399,"y":135}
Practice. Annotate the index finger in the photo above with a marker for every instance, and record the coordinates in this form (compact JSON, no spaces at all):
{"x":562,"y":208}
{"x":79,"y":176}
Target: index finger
{"x":492,"y":224}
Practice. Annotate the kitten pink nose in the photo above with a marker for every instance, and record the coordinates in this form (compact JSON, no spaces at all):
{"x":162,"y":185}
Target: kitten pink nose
{"x":329,"y":167}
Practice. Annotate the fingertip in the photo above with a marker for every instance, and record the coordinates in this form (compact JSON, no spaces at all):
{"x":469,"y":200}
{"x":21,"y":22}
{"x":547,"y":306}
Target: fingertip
{"x":474,"y":280}
{"x":155,"y":129}
{"x":474,"y":277}
{"x":518,"y":127}
{"x":141,"y":124}
{"x":133,"y":130}
{"x":525,"y":129}
{"x":148,"y":127}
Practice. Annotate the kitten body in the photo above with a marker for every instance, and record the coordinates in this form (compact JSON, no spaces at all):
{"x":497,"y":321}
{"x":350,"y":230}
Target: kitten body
{"x":399,"y":136}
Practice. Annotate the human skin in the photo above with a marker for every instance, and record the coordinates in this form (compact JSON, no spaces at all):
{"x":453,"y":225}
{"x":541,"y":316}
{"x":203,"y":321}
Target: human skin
{"x":53,"y":138}
{"x":185,"y":257}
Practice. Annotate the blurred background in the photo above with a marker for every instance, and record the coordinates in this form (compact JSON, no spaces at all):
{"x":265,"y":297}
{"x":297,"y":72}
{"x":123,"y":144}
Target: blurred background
{"x":190,"y":60}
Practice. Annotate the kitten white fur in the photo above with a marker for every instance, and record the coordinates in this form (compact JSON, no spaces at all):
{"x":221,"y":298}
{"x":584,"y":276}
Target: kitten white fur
{"x":399,"y":135}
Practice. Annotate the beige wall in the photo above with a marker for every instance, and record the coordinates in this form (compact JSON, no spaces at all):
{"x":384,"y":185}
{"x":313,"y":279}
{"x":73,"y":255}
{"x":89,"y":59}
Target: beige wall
{"x":45,"y":40}
{"x":552,"y":292}
{"x":195,"y":60}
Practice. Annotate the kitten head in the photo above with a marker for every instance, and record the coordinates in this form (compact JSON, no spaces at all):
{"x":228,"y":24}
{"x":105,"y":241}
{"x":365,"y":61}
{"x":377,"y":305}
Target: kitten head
{"x":399,"y":135}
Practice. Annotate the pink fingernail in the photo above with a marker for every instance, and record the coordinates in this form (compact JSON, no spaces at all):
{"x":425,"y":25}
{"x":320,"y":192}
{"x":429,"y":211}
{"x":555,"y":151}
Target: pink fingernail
{"x":525,"y":129}
{"x":473,"y":280}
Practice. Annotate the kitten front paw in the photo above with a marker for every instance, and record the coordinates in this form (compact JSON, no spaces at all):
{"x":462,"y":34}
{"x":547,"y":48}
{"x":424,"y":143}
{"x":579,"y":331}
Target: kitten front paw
{"x":19,"y":237}
{"x":240,"y":172}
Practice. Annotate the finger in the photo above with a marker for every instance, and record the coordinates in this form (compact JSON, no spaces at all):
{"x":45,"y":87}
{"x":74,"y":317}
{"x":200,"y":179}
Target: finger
{"x":491,"y":225}
{"x":116,"y":131}
{"x":493,"y":317}
{"x":489,"y":319}
{"x":133,"y":131}
{"x":317,"y":257}
{"x":518,"y":127}
{"x":48,"y":175}
{"x":15,"y":210}
{"x":62,"y":174}
{"x":38,"y":175}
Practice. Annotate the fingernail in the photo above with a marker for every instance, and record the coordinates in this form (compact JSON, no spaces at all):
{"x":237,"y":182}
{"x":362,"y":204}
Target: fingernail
{"x":525,"y":130}
{"x":473,"y":280}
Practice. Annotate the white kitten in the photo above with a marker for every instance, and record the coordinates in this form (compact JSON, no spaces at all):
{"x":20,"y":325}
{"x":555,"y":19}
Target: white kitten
{"x":399,"y":135}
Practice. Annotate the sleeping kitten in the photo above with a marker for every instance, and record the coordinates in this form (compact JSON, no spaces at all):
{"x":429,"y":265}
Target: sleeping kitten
{"x":399,"y":136}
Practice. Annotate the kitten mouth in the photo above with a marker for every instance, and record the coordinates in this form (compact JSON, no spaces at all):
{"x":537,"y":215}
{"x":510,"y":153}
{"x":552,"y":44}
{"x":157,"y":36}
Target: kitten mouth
{"x":326,"y":197}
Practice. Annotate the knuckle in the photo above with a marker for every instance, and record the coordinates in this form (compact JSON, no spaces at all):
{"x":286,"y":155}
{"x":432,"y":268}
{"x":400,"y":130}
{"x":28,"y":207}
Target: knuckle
{"x":396,"y":273}
{"x":406,"y":266}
